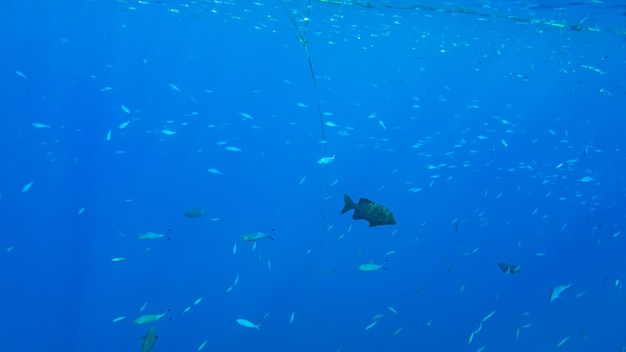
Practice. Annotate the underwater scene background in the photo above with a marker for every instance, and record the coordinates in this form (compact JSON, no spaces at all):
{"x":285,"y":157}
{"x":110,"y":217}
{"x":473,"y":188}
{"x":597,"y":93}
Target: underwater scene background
{"x":172,"y":176}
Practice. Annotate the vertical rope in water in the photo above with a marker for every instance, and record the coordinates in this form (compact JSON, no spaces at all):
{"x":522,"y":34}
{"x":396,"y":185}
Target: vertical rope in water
{"x":302,"y":39}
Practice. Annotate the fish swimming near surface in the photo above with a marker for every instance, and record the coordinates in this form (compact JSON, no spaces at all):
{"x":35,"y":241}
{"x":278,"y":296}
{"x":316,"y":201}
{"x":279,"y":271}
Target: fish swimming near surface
{"x":365,"y":209}
{"x":148,"y":340}
{"x":509,"y":268}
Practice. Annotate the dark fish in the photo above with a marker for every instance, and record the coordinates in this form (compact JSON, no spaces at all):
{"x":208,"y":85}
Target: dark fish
{"x":509,"y":268}
{"x":194,"y":213}
{"x":149,"y":340}
{"x":365,"y":209}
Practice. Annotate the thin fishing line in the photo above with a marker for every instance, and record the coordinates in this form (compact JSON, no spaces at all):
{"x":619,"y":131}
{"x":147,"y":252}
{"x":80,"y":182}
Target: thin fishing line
{"x":302,"y":39}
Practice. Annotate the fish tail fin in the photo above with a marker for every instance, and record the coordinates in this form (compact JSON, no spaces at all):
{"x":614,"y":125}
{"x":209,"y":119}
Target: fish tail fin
{"x":348,"y":203}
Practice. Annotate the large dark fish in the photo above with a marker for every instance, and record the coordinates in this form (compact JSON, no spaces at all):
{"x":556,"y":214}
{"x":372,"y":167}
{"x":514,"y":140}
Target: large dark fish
{"x":365,"y":209}
{"x":509,"y":268}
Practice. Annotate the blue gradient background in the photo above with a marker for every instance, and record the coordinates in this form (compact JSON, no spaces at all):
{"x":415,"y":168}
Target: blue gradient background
{"x":449,"y":86}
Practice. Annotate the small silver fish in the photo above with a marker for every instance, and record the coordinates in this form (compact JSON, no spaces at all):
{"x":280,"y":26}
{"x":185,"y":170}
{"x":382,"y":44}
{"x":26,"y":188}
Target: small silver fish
{"x":326,"y":160}
{"x":248,"y":324}
{"x":255,"y":236}
{"x":148,"y":236}
{"x":557,"y":290}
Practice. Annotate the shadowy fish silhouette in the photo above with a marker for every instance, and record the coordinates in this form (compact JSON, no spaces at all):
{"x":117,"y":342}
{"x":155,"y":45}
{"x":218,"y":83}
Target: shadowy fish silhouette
{"x":509,"y":268}
{"x":194,"y":213}
{"x":365,"y":209}
{"x":148,"y":340}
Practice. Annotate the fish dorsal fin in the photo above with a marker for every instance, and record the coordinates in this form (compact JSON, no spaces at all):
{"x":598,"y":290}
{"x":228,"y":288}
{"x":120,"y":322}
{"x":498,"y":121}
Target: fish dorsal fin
{"x":364,"y":201}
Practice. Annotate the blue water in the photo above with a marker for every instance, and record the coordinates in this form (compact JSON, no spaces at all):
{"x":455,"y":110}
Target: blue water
{"x":493,"y":132}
